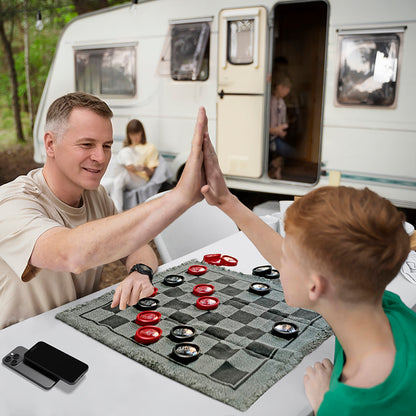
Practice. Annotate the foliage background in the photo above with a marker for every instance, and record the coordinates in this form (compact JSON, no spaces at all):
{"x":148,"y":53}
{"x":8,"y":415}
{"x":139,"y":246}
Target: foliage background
{"x":55,"y":15}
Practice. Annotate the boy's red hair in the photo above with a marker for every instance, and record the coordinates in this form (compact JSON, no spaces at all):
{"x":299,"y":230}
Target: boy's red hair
{"x":353,"y":237}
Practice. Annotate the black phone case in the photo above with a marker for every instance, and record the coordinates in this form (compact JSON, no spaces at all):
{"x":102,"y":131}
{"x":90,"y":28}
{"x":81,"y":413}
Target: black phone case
{"x":14,"y":361}
{"x":55,"y":363}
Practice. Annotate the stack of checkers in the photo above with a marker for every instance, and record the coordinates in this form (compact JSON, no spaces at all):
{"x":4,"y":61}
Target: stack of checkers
{"x":243,"y":346}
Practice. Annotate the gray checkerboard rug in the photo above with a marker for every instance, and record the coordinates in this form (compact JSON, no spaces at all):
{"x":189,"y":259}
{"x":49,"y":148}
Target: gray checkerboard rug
{"x":240,"y":357}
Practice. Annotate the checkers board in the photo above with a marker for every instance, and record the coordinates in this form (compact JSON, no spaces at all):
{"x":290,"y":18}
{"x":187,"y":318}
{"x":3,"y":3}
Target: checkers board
{"x":240,"y":357}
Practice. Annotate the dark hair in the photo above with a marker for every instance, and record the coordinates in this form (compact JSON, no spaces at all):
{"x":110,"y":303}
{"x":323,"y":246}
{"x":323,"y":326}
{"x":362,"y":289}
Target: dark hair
{"x":60,"y":110}
{"x":134,"y":126}
{"x":281,"y":78}
{"x":352,"y":236}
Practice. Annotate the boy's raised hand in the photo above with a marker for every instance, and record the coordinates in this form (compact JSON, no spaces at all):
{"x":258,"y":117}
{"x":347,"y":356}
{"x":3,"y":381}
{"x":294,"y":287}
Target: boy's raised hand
{"x":215,"y":191}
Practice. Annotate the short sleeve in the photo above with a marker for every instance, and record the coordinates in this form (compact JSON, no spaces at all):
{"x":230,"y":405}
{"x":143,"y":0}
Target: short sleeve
{"x":22,"y":221}
{"x":152,"y":157}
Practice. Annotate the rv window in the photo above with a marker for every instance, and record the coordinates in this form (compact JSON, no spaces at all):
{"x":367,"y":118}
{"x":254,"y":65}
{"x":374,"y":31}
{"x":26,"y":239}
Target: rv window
{"x":190,"y":51}
{"x":368,"y":67}
{"x":106,"y":71}
{"x":240,"y":41}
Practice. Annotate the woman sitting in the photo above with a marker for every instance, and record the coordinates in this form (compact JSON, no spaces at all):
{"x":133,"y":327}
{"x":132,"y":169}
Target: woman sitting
{"x":138,"y":160}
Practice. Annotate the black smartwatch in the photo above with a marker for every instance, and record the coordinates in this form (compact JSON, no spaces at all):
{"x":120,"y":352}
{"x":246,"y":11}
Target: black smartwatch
{"x":142,"y":269}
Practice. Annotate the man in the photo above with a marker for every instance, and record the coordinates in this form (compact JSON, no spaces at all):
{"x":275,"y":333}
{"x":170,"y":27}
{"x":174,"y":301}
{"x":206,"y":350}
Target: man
{"x":58,"y":226}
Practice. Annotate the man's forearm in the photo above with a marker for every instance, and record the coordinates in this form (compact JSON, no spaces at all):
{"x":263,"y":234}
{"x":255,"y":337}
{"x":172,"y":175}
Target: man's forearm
{"x":108,"y":239}
{"x":112,"y":238}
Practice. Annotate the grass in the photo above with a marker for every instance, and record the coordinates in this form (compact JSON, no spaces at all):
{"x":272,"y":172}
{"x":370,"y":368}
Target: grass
{"x":7,"y":130}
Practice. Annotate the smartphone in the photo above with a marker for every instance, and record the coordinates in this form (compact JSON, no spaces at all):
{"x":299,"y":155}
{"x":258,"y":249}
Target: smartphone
{"x":55,"y":363}
{"x":14,"y":360}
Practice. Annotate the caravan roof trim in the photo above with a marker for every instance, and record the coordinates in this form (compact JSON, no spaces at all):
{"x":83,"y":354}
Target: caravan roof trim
{"x":375,"y":30}
{"x":190,"y":20}
{"x":103,"y":45}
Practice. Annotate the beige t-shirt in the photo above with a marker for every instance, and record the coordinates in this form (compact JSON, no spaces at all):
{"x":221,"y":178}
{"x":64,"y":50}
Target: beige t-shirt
{"x":28,"y":208}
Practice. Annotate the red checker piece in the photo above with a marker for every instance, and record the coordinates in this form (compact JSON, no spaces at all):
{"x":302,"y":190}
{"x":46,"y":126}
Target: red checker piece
{"x":207,"y":303}
{"x":203,"y":289}
{"x":148,"y":318}
{"x":154,"y":292}
{"x":228,"y":261}
{"x":148,"y":334}
{"x":197,"y":270}
{"x":214,"y":259}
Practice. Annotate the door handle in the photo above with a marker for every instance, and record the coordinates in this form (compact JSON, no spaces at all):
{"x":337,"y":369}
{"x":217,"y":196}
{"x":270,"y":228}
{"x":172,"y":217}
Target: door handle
{"x":243,"y":94}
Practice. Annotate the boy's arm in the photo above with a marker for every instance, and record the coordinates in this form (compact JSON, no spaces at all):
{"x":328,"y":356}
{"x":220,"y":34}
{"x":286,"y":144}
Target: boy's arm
{"x":267,"y":241}
{"x":112,"y":238}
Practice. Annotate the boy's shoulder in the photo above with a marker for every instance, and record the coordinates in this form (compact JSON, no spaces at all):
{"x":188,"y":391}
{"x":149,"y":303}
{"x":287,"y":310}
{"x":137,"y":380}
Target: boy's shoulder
{"x":398,"y":390}
{"x":393,"y":304}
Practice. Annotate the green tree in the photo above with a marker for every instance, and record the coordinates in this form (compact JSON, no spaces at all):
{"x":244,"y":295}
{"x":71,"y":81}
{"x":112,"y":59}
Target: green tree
{"x":23,"y":74}
{"x":8,"y":52}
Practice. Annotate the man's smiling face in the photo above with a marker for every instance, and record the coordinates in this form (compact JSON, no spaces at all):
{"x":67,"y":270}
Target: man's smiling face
{"x":83,"y":153}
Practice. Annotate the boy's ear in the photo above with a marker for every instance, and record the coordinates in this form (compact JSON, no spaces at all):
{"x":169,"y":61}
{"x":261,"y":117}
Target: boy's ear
{"x":318,"y":287}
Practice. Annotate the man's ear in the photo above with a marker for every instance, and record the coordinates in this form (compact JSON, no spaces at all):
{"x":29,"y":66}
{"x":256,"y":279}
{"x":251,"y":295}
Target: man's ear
{"x":49,"y":141}
{"x":318,"y":287}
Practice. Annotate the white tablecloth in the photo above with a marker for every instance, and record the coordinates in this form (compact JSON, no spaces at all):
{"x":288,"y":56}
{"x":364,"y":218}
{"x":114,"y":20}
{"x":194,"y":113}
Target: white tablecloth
{"x":116,"y":385}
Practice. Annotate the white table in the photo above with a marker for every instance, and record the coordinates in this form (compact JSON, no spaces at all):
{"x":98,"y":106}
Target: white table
{"x":117,"y":385}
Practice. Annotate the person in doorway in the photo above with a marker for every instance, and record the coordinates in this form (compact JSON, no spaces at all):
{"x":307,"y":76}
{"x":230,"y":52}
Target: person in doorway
{"x":341,"y":249}
{"x":279,"y":148}
{"x":138,"y":160}
{"x":58,"y":225}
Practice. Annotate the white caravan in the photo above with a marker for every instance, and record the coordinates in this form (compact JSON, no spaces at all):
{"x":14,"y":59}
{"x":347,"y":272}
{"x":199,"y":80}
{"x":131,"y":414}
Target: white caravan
{"x":351,"y":110}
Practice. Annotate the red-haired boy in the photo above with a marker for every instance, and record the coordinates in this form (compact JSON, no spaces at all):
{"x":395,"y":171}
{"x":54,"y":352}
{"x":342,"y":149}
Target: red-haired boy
{"x":342,"y":247}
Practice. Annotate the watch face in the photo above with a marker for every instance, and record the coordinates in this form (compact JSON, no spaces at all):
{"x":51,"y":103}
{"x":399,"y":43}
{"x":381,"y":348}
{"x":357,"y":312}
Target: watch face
{"x":142,"y":268}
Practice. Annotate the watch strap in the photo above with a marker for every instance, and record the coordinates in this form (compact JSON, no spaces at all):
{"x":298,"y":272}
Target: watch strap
{"x":142,"y":269}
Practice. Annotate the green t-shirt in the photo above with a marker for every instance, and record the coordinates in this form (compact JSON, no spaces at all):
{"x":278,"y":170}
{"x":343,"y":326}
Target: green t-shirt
{"x":397,"y":394}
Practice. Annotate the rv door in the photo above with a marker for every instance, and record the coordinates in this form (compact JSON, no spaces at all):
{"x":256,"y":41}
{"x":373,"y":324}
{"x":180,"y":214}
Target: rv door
{"x":241,"y":90}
